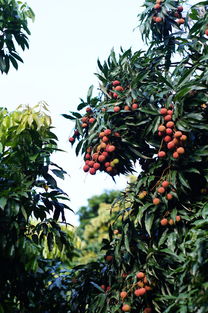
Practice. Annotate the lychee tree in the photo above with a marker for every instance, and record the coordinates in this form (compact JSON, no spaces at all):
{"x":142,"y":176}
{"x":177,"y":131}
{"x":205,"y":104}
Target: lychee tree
{"x":151,"y":108}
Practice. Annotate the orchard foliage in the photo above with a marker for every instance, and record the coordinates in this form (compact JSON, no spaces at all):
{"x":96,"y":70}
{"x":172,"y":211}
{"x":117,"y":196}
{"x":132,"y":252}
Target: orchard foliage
{"x":28,"y":190}
{"x":152,"y":109}
{"x":94,"y":222}
{"x":13,"y":32}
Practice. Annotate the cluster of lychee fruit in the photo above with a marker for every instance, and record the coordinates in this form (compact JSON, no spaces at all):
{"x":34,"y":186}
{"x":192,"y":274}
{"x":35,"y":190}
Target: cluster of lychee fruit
{"x":178,"y":14}
{"x":88,"y":119}
{"x":102,"y":157}
{"x":142,"y":287}
{"x":117,"y":89}
{"x":206,"y":31}
{"x":115,"y":93}
{"x":157,"y":9}
{"x":105,"y":288}
{"x":142,"y":194}
{"x":165,"y":221}
{"x":175,"y":13}
{"x":173,"y":139}
{"x":117,"y":108}
{"x":75,"y":135}
{"x":163,"y":190}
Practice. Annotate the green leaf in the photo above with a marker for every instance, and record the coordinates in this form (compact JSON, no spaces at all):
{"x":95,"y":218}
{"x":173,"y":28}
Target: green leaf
{"x":164,"y":80}
{"x":59,"y":173}
{"x":79,"y":146}
{"x":1,"y":309}
{"x":186,"y":77}
{"x":183,"y":181}
{"x":24,"y":213}
{"x":149,"y":218}
{"x":89,"y":94}
{"x":141,"y":212}
{"x":192,"y":170}
{"x":126,"y":238}
{"x":82,"y":105}
{"x":14,"y":62}
{"x":76,"y":114}
{"x":139,"y":154}
{"x":3,"y":202}
{"x":97,"y":286}
{"x":148,"y":111}
{"x":69,"y":117}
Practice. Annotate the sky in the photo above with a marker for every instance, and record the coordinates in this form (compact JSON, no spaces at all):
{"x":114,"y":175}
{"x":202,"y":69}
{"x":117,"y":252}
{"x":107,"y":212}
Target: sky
{"x":67,"y":39}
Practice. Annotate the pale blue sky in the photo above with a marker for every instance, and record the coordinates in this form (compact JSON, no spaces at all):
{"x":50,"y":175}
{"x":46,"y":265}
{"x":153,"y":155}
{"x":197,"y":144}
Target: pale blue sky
{"x":67,"y":38}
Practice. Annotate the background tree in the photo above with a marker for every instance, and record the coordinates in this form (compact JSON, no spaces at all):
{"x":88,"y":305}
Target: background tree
{"x":28,"y":190}
{"x":14,"y":32}
{"x":95,"y":220}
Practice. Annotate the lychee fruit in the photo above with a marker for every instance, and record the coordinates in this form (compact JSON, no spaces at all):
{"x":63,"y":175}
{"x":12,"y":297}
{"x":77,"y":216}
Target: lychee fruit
{"x":116,"y":109}
{"x":116,"y":83}
{"x":164,"y":222}
{"x":161,"y":154}
{"x":86,"y":168}
{"x":92,"y":171}
{"x":134,"y":106}
{"x":156,"y":201}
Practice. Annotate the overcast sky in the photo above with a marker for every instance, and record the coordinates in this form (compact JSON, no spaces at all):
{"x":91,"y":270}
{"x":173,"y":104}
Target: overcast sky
{"x":67,"y":38}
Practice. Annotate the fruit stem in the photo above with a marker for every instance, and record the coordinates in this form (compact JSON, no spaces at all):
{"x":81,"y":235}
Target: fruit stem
{"x":158,"y":182}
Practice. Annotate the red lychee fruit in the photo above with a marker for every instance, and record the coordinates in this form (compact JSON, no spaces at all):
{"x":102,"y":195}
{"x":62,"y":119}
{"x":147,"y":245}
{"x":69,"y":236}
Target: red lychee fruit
{"x":171,"y":145}
{"x":180,"y":8}
{"x":165,"y":183}
{"x":91,"y":120}
{"x":126,"y":308}
{"x":91,"y":163}
{"x":178,"y":134}
{"x":119,"y":88}
{"x":86,"y":168}
{"x":163,"y":111}
{"x":161,"y":154}
{"x":168,"y":118}
{"x":164,"y":222}
{"x":156,"y":201}
{"x":161,"y":190}
{"x":169,"y":196}
{"x":101,"y":158}
{"x":167,"y":139}
{"x":169,"y":131}
{"x":140,"y":292}
{"x":161,"y":128}
{"x":116,"y":109}
{"x":71,"y":139}
{"x":96,"y":165}
{"x":170,"y":124}
{"x":107,"y":132}
{"x":176,"y":155}
{"x":116,"y":83}
{"x":180,"y":150}
{"x":123,"y":294}
{"x":140,"y":275}
{"x":134,"y":106}
{"x":92,"y":171}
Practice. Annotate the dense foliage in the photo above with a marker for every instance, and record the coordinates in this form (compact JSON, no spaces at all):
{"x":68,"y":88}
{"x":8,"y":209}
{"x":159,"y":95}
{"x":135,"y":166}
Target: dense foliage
{"x":94,"y":219}
{"x":13,"y":32}
{"x":152,"y":108}
{"x":28,"y":190}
